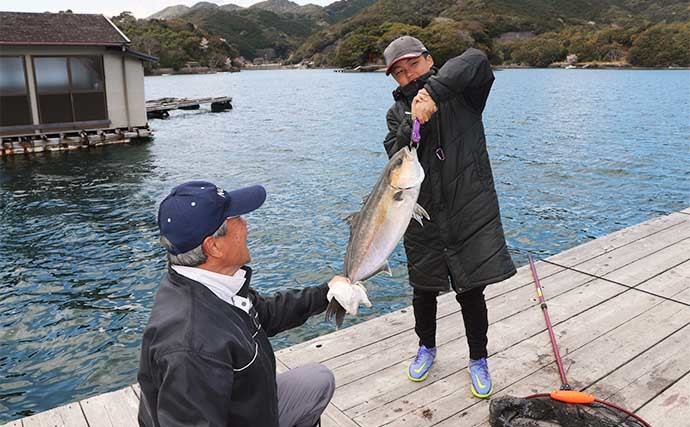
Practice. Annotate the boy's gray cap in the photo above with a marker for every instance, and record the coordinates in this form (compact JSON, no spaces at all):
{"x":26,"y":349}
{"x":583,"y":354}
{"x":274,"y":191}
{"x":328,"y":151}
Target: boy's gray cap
{"x":402,"y":48}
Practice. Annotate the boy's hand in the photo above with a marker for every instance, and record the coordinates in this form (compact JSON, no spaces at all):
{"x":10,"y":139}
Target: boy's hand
{"x":423,"y":106}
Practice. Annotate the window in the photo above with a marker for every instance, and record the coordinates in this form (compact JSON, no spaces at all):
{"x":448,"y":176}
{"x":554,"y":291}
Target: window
{"x":88,"y":94}
{"x":15,"y":109}
{"x":70,"y":89}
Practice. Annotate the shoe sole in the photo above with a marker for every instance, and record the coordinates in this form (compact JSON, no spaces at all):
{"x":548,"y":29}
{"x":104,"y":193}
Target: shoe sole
{"x":479,"y":395}
{"x":422,"y":378}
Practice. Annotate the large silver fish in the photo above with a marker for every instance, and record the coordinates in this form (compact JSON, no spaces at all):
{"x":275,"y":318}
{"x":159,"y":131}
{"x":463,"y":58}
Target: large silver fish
{"x":376,"y":230}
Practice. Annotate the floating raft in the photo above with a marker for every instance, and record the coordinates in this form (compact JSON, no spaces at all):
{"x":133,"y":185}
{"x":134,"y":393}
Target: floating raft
{"x":160,"y":108}
{"x":71,"y":140}
{"x":620,"y":306}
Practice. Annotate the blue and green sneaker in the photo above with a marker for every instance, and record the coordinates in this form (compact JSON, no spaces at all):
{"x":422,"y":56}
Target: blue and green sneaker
{"x":419,"y":368}
{"x":481,"y":385}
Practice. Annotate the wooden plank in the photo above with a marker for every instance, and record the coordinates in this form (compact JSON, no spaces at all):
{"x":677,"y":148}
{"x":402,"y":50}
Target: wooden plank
{"x":620,"y":257}
{"x":137,"y":390}
{"x":649,"y":374}
{"x":392,"y":385}
{"x":612,"y":329}
{"x":280,"y":366}
{"x":115,"y":409}
{"x":686,"y":211}
{"x":334,"y":417}
{"x":67,"y":415}
{"x":670,"y":408}
{"x":652,"y":265}
{"x":673,"y":283}
{"x":15,"y":423}
{"x":348,"y":340}
{"x":618,"y":239}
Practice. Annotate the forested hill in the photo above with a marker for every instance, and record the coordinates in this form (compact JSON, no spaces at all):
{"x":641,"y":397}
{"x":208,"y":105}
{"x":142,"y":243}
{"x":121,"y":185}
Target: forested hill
{"x":272,"y":29}
{"x":528,"y":32}
{"x":348,"y":33}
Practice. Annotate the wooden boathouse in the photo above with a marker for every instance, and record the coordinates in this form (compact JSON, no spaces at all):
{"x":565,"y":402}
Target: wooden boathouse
{"x":620,"y":306}
{"x":67,"y":81}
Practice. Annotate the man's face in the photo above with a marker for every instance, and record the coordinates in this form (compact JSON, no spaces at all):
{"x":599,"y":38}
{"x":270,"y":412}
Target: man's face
{"x":407,"y":70}
{"x":234,"y":243}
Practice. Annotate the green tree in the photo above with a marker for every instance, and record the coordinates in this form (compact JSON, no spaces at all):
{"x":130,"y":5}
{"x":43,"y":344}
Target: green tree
{"x":540,"y":51}
{"x":357,"y":49}
{"x":446,"y":39}
{"x":662,"y":45}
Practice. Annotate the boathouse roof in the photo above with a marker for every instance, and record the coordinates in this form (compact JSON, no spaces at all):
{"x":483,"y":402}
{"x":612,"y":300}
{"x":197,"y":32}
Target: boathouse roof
{"x":68,"y":29}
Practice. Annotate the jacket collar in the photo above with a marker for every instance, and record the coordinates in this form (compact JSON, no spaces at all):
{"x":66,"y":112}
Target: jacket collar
{"x":222,"y":287}
{"x":244,"y":290}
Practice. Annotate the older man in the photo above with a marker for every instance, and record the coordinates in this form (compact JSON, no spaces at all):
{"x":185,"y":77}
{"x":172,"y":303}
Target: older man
{"x":205,"y":355}
{"x":463,"y":244}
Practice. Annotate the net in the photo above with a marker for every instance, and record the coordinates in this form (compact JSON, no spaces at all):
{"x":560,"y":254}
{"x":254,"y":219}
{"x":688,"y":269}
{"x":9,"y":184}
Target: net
{"x":542,"y":411}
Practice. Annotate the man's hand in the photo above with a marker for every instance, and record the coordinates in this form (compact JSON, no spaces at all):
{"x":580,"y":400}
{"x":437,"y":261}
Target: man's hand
{"x":423,"y":106}
{"x":348,"y":295}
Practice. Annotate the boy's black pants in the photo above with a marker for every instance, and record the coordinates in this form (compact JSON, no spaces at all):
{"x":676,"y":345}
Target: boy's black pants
{"x":474,"y":314}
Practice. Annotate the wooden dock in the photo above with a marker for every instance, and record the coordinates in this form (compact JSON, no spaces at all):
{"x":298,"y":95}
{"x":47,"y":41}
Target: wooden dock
{"x":621,"y":312}
{"x":160,"y":108}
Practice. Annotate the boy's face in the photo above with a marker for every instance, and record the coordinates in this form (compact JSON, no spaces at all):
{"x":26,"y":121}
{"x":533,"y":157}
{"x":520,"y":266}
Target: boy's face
{"x":407,"y":70}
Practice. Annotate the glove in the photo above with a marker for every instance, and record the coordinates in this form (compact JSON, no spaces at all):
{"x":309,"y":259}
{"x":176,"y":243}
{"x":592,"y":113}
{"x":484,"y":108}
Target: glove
{"x":348,"y":295}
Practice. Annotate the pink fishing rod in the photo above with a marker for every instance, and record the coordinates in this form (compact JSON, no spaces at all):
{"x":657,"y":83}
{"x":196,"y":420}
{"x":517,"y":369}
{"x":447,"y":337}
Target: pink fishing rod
{"x":542,"y":301}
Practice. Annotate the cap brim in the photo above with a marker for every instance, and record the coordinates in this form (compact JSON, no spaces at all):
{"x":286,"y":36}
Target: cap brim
{"x":406,"y":56}
{"x":242,"y":201}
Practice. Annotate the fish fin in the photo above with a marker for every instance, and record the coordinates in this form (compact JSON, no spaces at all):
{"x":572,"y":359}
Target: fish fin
{"x":352,"y":218}
{"x":335,"y":309}
{"x":419,"y":213}
{"x":385,"y":268}
{"x":339,"y":317}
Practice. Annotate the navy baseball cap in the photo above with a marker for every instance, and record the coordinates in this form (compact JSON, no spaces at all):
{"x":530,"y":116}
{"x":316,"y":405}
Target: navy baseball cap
{"x":196,"y":209}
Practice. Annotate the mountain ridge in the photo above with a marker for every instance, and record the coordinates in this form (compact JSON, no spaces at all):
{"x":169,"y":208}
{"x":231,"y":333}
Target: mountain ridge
{"x":349,"y":33}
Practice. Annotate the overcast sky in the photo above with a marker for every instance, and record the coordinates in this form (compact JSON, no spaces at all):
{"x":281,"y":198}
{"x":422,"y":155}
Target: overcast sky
{"x":140,"y":8}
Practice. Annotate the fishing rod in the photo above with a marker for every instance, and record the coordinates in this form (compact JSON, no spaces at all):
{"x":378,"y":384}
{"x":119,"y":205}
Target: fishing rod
{"x":566,"y":393}
{"x":552,"y":337}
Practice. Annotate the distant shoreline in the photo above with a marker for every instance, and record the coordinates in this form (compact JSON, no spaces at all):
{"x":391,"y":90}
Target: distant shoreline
{"x":589,"y":66}
{"x":381,"y":70}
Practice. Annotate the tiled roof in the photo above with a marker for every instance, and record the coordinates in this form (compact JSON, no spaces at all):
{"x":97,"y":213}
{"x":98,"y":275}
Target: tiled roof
{"x":19,"y":28}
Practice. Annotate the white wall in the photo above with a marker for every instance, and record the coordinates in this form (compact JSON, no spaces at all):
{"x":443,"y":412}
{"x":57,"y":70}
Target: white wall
{"x":135,"y":88}
{"x":115,"y":90}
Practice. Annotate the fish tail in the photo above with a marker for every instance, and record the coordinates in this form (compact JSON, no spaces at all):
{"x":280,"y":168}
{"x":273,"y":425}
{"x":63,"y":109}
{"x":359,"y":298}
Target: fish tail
{"x":335,"y":309}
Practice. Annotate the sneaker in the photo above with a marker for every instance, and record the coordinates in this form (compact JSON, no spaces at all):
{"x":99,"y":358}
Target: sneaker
{"x":481,"y":385}
{"x":419,"y":368}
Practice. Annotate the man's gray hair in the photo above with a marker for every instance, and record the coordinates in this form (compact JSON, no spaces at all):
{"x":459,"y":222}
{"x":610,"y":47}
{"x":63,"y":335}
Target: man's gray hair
{"x":194,"y":257}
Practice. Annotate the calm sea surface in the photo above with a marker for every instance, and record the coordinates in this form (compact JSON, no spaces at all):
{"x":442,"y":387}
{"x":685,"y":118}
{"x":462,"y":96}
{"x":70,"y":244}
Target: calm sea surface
{"x":577,"y":154}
